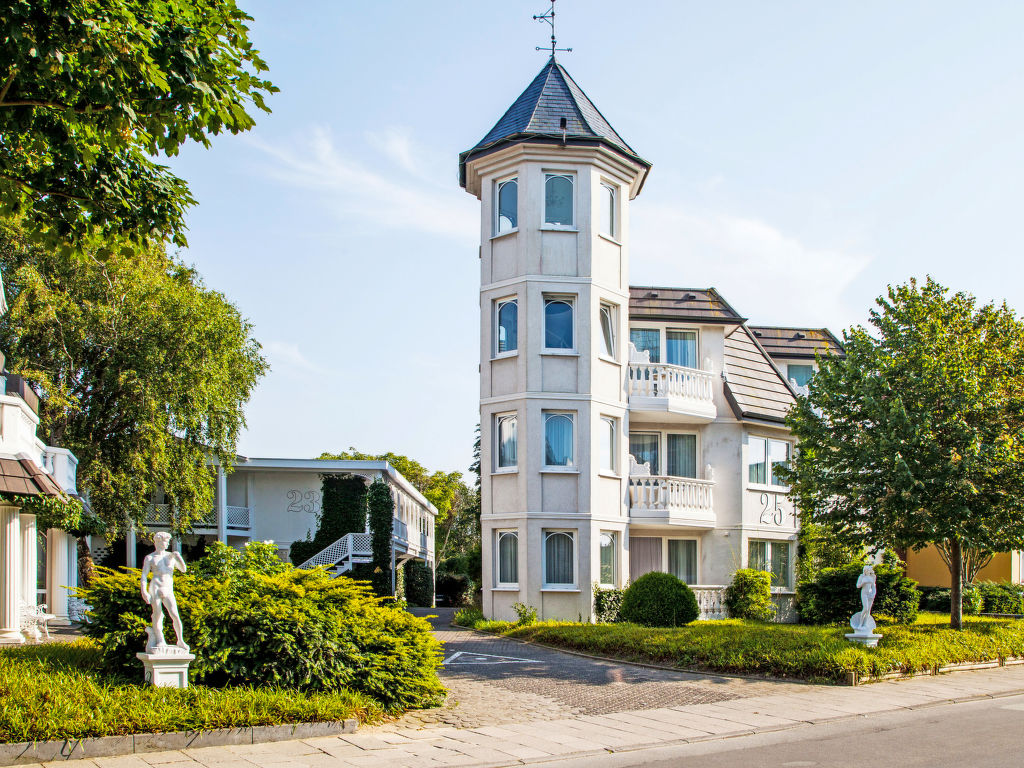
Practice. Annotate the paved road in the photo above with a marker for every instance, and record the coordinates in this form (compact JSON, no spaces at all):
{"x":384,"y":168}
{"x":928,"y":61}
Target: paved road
{"x":981,"y":734}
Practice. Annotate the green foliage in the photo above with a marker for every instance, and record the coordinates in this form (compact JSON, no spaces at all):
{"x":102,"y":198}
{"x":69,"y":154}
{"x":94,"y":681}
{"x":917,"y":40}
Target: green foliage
{"x":146,"y":372}
{"x":607,"y":604}
{"x":91,"y":92}
{"x":526,"y":614}
{"x":659,"y":600}
{"x":419,"y":584}
{"x":469,"y":616}
{"x":782,"y":650}
{"x":818,"y":546}
{"x":342,"y":511}
{"x":380,"y":506}
{"x":62,"y":691}
{"x":834,"y":597}
{"x":1001,"y":597}
{"x":455,"y":588}
{"x":938,"y":599}
{"x":253,"y":620}
{"x":749,"y":595}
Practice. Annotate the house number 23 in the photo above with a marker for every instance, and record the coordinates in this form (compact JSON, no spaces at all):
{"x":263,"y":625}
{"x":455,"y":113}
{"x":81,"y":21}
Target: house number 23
{"x":772,"y":512}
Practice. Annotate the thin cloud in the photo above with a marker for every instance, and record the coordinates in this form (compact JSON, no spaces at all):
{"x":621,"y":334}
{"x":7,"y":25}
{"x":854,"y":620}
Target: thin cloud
{"x":286,"y":357}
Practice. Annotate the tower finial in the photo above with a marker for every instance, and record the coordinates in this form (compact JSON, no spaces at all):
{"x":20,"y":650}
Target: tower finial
{"x":549,"y":17}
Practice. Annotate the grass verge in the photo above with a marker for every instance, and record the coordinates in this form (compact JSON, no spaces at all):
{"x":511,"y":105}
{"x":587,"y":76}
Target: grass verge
{"x":59,"y":691}
{"x":812,"y":653}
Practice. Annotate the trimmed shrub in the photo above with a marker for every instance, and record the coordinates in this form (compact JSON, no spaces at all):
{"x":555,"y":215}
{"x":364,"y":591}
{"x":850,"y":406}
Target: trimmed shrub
{"x":607,"y":603}
{"x":381,"y":510}
{"x":937,"y":599}
{"x":833,"y":598}
{"x":749,"y":595}
{"x":252,"y":620}
{"x":419,"y":584}
{"x":1001,"y":597}
{"x":659,"y":600}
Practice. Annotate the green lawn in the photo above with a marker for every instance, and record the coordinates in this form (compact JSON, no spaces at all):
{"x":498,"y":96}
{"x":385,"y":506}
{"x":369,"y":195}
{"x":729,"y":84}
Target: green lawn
{"x":784,"y":650}
{"x":59,"y":691}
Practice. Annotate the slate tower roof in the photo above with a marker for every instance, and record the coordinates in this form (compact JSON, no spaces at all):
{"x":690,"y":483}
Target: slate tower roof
{"x":538,"y":113}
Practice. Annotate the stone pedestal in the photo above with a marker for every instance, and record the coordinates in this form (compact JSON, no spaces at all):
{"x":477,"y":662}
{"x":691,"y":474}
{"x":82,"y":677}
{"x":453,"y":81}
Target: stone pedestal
{"x":167,"y":667}
{"x":869,"y":639}
{"x":10,"y":575}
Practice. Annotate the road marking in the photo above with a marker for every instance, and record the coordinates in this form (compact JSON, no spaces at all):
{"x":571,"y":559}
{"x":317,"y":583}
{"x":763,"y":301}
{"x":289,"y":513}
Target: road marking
{"x":466,"y":657}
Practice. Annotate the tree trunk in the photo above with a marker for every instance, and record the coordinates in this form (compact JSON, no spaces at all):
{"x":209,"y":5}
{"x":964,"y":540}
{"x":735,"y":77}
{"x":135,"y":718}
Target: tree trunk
{"x":956,"y":593}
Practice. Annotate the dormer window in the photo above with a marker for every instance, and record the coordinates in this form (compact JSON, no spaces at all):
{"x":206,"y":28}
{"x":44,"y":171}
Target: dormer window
{"x":559,"y":203}
{"x":507,"y":208}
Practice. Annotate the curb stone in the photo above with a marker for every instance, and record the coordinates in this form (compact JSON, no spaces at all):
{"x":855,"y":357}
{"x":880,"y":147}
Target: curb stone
{"x":114,"y":746}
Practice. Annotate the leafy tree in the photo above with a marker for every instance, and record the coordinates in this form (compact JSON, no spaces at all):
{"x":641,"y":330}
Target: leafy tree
{"x":92,"y":90}
{"x":916,"y":436}
{"x":145,"y":371}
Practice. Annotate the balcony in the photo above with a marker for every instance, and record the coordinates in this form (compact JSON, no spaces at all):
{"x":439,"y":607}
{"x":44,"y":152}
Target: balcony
{"x":667,"y":500}
{"x":239,"y":519}
{"x":671,"y":390}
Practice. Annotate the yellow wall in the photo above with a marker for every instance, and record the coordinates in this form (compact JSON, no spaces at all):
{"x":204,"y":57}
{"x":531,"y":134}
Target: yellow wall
{"x":926,"y":567}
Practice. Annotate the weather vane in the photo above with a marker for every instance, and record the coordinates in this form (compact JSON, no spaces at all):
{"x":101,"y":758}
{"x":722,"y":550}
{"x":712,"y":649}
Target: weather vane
{"x":549,"y":17}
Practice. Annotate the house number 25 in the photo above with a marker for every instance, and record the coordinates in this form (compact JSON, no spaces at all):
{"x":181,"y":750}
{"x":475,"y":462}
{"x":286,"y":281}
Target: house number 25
{"x":772,"y":512}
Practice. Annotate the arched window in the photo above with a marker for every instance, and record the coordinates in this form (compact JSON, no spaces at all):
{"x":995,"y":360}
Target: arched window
{"x":507,"y":326}
{"x":608,"y":210}
{"x":607,"y":551}
{"x":507,"y":572}
{"x":559,"y":559}
{"x":508,"y":206}
{"x":558,"y":441}
{"x":558,"y":322}
{"x":508,"y":440}
{"x":558,"y":200}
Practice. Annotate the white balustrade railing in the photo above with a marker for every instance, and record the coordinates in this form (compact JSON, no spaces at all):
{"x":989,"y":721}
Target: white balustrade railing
{"x":710,"y":600}
{"x":663,"y":380}
{"x":400,"y":529}
{"x":649,"y":493}
{"x":238,"y":517}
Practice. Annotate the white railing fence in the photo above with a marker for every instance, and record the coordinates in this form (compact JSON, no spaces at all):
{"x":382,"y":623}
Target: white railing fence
{"x":710,"y":600}
{"x":662,"y":380}
{"x":659,"y":492}
{"x":238,"y":517}
{"x":400,"y":529}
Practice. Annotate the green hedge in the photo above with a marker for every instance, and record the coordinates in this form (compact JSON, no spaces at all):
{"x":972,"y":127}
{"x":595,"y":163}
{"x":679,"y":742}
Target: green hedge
{"x":659,"y":600}
{"x":1001,"y":597}
{"x":419,"y":584}
{"x":607,"y":604}
{"x":749,"y":595}
{"x":937,"y":599}
{"x":252,"y":620}
{"x":833,"y":597}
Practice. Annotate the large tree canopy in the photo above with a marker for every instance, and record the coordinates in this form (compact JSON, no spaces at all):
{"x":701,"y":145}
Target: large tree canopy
{"x":916,"y":437}
{"x":144,"y":371}
{"x":92,"y":90}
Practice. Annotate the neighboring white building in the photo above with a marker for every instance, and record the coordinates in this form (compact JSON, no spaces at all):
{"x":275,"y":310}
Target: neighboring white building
{"x":623,"y":429}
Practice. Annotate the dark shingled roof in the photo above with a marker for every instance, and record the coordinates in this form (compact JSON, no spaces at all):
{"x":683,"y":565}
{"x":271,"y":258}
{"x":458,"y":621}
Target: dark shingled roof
{"x":670,"y":304}
{"x":23,"y":477}
{"x":796,"y":342}
{"x":754,"y":387}
{"x":538,"y":113}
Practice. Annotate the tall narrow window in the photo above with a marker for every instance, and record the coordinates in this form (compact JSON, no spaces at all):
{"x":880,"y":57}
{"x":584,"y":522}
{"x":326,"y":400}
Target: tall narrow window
{"x":778,"y":455}
{"x":681,"y":348}
{"x":647,"y":339}
{"x":558,"y":324}
{"x":558,"y":440}
{"x":507,"y":546}
{"x":607,"y":546}
{"x":644,"y":448}
{"x":682,"y":455}
{"x":682,"y":559}
{"x":608,"y":330}
{"x":508,"y":442}
{"x":608,"y":210}
{"x":559,"y":559}
{"x":508,"y":206}
{"x":757,"y":461}
{"x":558,"y":199}
{"x":508,"y":326}
{"x":609,"y":437}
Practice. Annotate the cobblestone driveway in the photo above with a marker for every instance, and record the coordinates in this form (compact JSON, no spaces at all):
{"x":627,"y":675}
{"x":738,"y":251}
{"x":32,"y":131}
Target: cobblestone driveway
{"x":494,"y":680}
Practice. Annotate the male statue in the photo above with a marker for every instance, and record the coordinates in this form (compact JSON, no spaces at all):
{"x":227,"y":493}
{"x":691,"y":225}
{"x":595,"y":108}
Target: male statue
{"x":159,"y":593}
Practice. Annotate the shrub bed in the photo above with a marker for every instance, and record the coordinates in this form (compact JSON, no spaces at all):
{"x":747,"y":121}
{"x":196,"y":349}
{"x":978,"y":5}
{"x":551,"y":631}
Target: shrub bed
{"x":1001,"y":597}
{"x":833,"y":597}
{"x":749,"y":595}
{"x":659,"y":600}
{"x":937,"y":599}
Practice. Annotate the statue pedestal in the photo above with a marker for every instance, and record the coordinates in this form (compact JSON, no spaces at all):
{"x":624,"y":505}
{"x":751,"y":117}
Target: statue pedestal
{"x":869,"y":639}
{"x":167,"y":667}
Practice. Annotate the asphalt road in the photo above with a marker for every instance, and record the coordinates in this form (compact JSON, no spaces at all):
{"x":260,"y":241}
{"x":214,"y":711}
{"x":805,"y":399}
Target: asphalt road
{"x":981,"y":734}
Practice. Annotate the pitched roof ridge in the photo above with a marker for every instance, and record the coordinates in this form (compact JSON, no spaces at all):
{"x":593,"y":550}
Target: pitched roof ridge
{"x":566,"y":79}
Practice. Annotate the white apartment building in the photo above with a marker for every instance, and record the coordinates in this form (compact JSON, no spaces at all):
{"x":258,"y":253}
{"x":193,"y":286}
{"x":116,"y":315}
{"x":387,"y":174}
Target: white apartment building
{"x":624,"y":429}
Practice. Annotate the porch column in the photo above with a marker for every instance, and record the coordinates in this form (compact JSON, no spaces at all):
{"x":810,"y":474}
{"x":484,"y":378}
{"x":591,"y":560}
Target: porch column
{"x":130,"y":547}
{"x":29,"y":558}
{"x":60,"y":575}
{"x":222,"y":505}
{"x":10,"y":570}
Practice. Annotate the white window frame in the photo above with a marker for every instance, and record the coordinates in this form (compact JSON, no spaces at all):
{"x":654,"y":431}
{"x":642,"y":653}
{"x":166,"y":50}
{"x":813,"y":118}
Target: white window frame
{"x":498,"y":418}
{"x":496,"y":230}
{"x":664,"y":553}
{"x":498,"y":534}
{"x":769,"y":479}
{"x":680,"y":329}
{"x":788,"y":586}
{"x":800,"y":365}
{"x":661,"y":339}
{"x":656,"y":471}
{"x":574,"y":535}
{"x":613,"y":422}
{"x":544,"y":224}
{"x":615,"y":559}
{"x":565,"y":298}
{"x":612,"y":232}
{"x":613,"y":319}
{"x":571,"y":466}
{"x":498,"y":304}
{"x":698,"y":454}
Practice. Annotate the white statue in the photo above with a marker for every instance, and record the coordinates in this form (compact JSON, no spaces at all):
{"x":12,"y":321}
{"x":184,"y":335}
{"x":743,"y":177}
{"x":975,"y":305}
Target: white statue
{"x":862,"y":622}
{"x":159,"y":592}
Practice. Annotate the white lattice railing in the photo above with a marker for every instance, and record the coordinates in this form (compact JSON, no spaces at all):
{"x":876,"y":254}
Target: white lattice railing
{"x":650,"y":493}
{"x":663,"y":380}
{"x":238,"y":517}
{"x":710,"y":600}
{"x":157,"y":514}
{"x":342,"y":552}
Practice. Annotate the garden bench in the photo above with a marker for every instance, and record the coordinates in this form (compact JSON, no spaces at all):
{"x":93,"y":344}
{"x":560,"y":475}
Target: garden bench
{"x":33,"y":619}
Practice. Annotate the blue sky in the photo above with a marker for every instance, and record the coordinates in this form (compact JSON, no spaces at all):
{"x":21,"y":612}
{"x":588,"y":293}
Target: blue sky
{"x":805,"y":155}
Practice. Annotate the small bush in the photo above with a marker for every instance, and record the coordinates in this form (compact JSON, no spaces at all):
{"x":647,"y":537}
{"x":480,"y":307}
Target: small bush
{"x":527,"y":614}
{"x":607,"y":603}
{"x":419,"y":584}
{"x":1001,"y":597}
{"x":749,"y":595}
{"x":833,"y":598}
{"x":659,"y":600}
{"x":468,"y":617}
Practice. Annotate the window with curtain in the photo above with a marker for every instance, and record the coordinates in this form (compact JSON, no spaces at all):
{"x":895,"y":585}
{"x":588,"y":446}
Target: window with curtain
{"x":644,"y":555}
{"x":558,"y":199}
{"x":682,"y":559}
{"x":508,"y":326}
{"x":801,"y":374}
{"x":559,"y":559}
{"x":682,"y":455}
{"x":558,"y":440}
{"x":607,"y":547}
{"x":648,"y":339}
{"x":558,"y":323}
{"x":608,"y":210}
{"x":508,"y":206}
{"x":508,"y":442}
{"x":508,"y":558}
{"x":609,"y":436}
{"x":608,"y":330}
{"x":681,"y":348}
{"x":644,"y":448}
{"x":771,"y":556}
